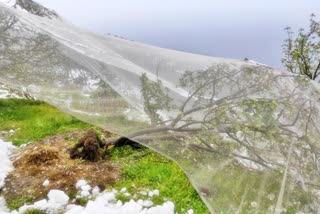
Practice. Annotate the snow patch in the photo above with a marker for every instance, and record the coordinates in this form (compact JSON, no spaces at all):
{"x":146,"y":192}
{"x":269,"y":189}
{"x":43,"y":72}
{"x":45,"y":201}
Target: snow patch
{"x":58,"y":197}
{"x":95,"y":191}
{"x":3,"y":207}
{"x":46,"y":183}
{"x":123,"y":190}
{"x":5,"y":163}
{"x":154,"y":193}
{"x":56,"y":203}
{"x":190,"y":211}
{"x":81,"y":183}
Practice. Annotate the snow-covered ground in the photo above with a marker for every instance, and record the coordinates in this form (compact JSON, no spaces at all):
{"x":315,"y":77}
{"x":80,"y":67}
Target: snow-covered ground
{"x":98,"y":202}
{"x":5,"y":167}
{"x":5,"y":163}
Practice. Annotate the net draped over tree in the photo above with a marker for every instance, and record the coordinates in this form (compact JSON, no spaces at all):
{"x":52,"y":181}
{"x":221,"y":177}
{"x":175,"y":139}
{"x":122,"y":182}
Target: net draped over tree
{"x":246,"y":135}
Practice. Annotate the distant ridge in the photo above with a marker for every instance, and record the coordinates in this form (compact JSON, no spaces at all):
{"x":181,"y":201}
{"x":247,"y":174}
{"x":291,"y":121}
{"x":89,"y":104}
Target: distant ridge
{"x":31,"y":7}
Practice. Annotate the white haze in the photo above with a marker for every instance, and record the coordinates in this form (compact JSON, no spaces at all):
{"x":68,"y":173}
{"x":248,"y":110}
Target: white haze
{"x":231,"y":28}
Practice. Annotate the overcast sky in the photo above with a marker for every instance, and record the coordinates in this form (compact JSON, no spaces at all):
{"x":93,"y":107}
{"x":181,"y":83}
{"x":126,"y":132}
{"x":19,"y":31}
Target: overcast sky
{"x":224,"y":28}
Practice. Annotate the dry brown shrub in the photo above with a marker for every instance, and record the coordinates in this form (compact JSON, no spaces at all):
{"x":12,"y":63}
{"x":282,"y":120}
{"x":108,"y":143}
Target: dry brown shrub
{"x":41,"y":155}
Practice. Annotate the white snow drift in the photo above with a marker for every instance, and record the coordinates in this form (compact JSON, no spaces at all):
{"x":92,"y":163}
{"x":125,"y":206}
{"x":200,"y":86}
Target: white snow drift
{"x":5,"y":163}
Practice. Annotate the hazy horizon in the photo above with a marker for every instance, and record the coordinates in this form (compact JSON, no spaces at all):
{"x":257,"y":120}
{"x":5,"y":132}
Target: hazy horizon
{"x":230,"y":29}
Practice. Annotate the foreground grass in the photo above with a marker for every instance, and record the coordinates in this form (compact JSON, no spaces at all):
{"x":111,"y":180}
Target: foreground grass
{"x":34,"y":120}
{"x":142,"y":169}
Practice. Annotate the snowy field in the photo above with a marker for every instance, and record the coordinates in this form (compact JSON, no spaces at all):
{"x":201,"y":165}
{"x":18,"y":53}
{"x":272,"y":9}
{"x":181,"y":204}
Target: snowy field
{"x":98,"y":202}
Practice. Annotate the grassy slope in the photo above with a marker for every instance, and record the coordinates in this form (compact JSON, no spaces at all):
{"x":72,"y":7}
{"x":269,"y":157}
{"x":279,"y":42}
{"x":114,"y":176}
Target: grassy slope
{"x":34,"y":120}
{"x":144,"y":168}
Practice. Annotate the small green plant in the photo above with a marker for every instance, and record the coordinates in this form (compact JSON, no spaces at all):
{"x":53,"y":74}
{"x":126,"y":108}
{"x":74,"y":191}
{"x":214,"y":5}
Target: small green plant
{"x":79,"y":160}
{"x":82,"y":201}
{"x":15,"y":203}
{"x":34,"y":211}
{"x":157,"y":200}
{"x":123,"y":198}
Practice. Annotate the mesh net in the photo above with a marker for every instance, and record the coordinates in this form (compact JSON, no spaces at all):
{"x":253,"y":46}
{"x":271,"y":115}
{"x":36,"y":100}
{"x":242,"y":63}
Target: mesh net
{"x":245,"y":134}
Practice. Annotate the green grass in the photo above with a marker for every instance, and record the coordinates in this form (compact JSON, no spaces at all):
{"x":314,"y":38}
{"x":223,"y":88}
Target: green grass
{"x":34,"y":120}
{"x":148,"y":170}
{"x":34,"y":211}
{"x":14,"y":204}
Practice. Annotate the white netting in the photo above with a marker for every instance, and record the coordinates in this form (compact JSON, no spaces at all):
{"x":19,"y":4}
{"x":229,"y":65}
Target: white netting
{"x":245,"y":134}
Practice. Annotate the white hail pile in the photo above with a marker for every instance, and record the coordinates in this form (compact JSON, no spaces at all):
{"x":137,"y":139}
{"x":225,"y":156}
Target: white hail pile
{"x":5,"y":163}
{"x":98,"y":203}
{"x":5,"y":167}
